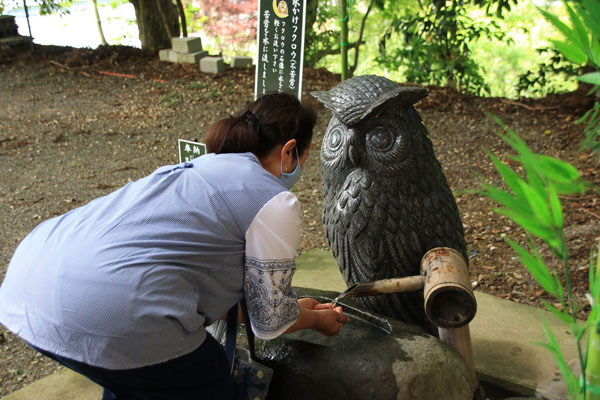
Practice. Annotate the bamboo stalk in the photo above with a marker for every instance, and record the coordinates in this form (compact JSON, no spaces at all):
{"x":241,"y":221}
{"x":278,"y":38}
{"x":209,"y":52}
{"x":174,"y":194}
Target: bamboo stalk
{"x":343,"y":12}
{"x":460,"y":340}
{"x":592,"y":367}
{"x":592,"y":363}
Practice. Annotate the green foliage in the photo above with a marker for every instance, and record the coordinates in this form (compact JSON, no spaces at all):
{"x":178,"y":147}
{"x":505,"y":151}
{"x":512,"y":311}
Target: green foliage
{"x":581,"y":46}
{"x":199,"y":85}
{"x":172,"y":99}
{"x":49,"y":6}
{"x":533,"y":202}
{"x":437,"y":47}
{"x":435,"y":43}
{"x":498,"y":63}
{"x":539,"y":81}
{"x":323,"y":38}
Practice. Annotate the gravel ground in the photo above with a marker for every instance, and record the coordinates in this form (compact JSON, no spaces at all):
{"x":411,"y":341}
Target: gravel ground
{"x":71,"y":131}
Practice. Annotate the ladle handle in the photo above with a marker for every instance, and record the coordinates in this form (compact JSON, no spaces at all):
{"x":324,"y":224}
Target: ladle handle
{"x":384,"y":286}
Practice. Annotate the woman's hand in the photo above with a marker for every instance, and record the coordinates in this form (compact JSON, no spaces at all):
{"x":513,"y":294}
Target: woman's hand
{"x":320,"y":317}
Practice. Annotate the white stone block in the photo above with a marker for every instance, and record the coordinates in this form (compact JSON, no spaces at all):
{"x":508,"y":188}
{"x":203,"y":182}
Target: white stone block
{"x":173,"y":56}
{"x":241,"y":62}
{"x":191,"y":58}
{"x":187,"y":45}
{"x":212,"y":65}
{"x":163,"y":55}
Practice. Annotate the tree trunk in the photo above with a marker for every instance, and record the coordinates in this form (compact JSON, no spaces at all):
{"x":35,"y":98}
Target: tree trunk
{"x":98,"y":22}
{"x":165,"y":20}
{"x":359,"y":41}
{"x":150,"y":23}
{"x":311,"y":13}
{"x":182,"y":18}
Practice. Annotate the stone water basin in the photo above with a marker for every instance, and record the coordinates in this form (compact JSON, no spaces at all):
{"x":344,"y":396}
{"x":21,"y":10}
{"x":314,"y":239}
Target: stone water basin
{"x":372,"y":358}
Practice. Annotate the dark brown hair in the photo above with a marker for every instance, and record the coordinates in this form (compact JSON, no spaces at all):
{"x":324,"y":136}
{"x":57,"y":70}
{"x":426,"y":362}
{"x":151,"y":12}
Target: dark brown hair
{"x":271,"y":120}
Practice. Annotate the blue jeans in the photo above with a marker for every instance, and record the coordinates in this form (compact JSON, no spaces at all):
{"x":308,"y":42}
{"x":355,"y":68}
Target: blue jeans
{"x":201,"y":374}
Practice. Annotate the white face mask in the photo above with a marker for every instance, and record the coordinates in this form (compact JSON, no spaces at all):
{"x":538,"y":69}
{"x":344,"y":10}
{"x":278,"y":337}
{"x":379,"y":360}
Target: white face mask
{"x":290,"y":178}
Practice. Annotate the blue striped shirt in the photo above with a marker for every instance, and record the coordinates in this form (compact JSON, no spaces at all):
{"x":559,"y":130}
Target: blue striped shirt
{"x":132,"y":278}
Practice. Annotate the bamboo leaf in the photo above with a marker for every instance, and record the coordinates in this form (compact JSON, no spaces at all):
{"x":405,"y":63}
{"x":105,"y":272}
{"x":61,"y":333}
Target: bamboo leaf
{"x":536,"y":267}
{"x":564,"y":317}
{"x":534,"y":178}
{"x":527,"y":158}
{"x":504,"y":198}
{"x":578,"y":186}
{"x":580,"y":32}
{"x":595,"y":56}
{"x":595,"y":280}
{"x":510,"y":177}
{"x":591,"y":16}
{"x":570,"y":51}
{"x":554,"y":20}
{"x":558,"y":170}
{"x":555,"y":207}
{"x":592,"y":77}
{"x":529,"y":223}
{"x":556,"y":353}
{"x":538,"y":204}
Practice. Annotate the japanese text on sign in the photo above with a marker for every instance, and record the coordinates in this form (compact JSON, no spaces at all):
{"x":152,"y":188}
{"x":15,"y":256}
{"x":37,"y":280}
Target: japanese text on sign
{"x":188,"y":150}
{"x":280,"y":47}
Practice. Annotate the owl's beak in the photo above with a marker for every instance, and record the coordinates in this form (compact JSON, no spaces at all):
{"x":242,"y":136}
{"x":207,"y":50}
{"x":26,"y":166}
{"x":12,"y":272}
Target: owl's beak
{"x":353,"y":149}
{"x":354,"y":154}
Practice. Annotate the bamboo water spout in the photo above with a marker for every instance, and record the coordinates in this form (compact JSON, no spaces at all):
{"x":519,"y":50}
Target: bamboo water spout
{"x":449,"y":299}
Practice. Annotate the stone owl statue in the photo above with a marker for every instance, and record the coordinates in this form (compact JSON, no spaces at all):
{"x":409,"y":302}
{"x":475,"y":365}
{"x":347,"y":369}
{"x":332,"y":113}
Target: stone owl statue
{"x":386,"y":198}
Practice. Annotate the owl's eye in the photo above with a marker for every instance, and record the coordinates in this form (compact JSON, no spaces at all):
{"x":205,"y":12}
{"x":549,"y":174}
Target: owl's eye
{"x":380,"y":139}
{"x":334,"y":139}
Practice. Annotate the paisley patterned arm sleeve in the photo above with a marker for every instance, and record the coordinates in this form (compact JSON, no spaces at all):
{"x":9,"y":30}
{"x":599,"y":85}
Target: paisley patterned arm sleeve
{"x":271,"y":243}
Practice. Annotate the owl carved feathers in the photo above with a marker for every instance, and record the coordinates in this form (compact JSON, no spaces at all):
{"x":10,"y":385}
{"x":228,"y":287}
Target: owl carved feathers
{"x":386,"y":199}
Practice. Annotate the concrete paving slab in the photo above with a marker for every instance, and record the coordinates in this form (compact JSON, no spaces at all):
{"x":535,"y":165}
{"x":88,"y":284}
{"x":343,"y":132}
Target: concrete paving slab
{"x":505,"y":336}
{"x":62,"y":385}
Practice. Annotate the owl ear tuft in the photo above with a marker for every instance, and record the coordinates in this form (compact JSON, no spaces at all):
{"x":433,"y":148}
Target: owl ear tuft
{"x":355,"y":98}
{"x":323,"y":97}
{"x":411,"y":94}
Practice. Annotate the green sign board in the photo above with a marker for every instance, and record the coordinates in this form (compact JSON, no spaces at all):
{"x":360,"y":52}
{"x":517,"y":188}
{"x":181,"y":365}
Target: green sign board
{"x":280,"y":42}
{"x":188,"y":150}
